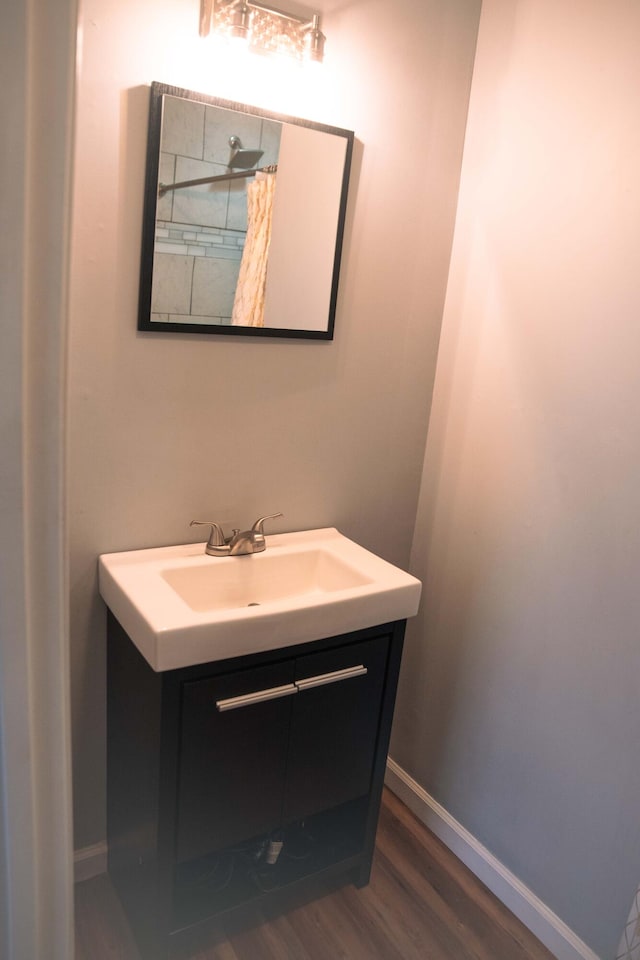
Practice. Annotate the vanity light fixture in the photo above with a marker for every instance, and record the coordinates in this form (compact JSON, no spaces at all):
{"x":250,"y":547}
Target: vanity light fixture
{"x":265,"y":28}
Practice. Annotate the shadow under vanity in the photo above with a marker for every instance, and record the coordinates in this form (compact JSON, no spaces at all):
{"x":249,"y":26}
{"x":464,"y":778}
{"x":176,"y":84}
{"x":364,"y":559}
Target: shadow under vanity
{"x":210,"y":770}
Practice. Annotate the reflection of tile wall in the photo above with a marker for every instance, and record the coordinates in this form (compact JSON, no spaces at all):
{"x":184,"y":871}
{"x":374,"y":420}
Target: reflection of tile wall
{"x":200,"y":231}
{"x":629,"y":948}
{"x":186,"y":264}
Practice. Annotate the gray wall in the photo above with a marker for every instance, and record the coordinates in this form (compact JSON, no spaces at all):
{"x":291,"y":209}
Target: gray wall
{"x":519,"y":707}
{"x":166,"y":428}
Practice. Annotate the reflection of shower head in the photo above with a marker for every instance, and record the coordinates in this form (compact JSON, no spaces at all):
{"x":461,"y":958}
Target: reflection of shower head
{"x":242,"y":159}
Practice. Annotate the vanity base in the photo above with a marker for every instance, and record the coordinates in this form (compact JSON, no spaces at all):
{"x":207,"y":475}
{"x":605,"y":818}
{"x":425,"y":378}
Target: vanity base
{"x":196,"y":794}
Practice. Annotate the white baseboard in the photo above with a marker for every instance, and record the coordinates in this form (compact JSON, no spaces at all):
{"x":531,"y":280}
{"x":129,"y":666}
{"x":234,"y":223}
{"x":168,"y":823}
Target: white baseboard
{"x":89,"y":862}
{"x":536,"y":916}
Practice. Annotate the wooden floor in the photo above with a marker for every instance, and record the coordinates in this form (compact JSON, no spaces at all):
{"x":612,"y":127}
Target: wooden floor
{"x":421,"y":904}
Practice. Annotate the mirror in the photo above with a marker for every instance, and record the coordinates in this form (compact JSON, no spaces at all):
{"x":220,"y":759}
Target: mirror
{"x":243,"y":219}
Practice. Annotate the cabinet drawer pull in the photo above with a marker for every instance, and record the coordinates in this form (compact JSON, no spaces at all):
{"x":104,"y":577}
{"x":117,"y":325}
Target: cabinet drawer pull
{"x":272,"y":693}
{"x":333,"y":677}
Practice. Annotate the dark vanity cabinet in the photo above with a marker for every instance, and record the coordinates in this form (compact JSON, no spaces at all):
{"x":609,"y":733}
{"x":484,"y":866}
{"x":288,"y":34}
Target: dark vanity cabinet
{"x":239,"y":781}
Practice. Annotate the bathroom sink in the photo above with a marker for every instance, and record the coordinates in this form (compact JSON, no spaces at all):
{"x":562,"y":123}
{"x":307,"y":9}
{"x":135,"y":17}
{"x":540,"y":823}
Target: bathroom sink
{"x":268,"y":579}
{"x":181,"y":607}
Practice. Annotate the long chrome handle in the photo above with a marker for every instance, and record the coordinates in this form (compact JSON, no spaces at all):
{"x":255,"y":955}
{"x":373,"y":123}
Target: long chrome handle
{"x":258,"y":696}
{"x":318,"y":681}
{"x":287,"y":689}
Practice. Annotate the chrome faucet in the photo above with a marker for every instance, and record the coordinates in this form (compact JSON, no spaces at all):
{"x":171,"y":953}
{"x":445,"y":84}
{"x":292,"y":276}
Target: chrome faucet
{"x":240,"y":543}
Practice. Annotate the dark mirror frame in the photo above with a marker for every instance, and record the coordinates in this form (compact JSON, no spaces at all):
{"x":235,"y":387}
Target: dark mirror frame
{"x":157,"y":92}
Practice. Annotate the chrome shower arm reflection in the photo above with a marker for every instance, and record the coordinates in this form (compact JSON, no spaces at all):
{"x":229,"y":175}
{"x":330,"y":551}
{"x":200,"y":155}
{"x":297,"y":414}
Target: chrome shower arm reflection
{"x":164,"y":188}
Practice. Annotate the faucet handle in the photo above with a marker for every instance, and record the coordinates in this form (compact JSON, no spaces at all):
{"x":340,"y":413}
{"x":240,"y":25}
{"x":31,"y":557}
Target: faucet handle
{"x":257,"y":527}
{"x":216,"y":537}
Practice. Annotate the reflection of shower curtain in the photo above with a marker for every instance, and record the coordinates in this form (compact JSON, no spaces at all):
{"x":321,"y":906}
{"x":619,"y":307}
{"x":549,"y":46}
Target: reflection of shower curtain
{"x":248,"y":307}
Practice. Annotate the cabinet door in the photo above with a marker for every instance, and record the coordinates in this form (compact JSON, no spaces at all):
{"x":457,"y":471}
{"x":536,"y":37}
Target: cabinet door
{"x":233,"y":748}
{"x":334,"y":726}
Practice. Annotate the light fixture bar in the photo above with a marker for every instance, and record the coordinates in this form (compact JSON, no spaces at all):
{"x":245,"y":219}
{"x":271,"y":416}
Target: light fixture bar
{"x":279,"y":13}
{"x":266,"y":28}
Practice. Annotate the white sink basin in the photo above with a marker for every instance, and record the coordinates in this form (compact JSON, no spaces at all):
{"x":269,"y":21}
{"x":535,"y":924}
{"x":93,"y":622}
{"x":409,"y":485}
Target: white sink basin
{"x":181,"y":607}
